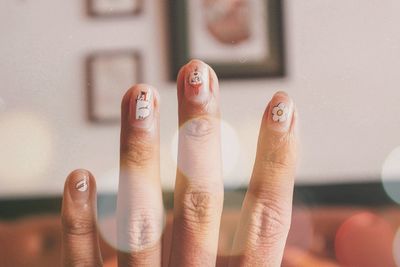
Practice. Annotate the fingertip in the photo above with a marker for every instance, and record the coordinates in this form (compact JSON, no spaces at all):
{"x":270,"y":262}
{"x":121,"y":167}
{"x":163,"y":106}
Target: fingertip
{"x":198,"y":91}
{"x":80,"y":185}
{"x":279,"y":113}
{"x":180,"y":79}
{"x":195,"y":61}
{"x":278,"y":142}
{"x":281,"y":93}
{"x":192,"y":65}
{"x":199,"y":64}
{"x":139,"y":105}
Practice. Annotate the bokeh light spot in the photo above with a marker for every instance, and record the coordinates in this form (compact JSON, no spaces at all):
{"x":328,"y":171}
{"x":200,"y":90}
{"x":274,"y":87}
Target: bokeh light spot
{"x":391,"y":175}
{"x":26,"y":149}
{"x":230,"y":148}
{"x":141,"y":220}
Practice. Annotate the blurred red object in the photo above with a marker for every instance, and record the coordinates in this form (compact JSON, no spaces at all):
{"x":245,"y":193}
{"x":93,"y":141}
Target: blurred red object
{"x":365,"y":240}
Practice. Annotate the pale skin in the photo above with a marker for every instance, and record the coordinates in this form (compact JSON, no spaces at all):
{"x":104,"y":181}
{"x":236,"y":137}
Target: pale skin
{"x":266,"y":213}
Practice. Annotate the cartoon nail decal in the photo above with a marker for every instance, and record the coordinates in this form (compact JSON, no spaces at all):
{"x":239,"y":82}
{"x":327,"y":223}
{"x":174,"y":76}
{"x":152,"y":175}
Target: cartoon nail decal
{"x":280,"y":113}
{"x":143,"y":105}
{"x":196,"y":89}
{"x":195,"y":78}
{"x":82,"y":185}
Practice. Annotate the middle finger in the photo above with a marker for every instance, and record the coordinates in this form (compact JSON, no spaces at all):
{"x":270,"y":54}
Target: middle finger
{"x":199,"y":189}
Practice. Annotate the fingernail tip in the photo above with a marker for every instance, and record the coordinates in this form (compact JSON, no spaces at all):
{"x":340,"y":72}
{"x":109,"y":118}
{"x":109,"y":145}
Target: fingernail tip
{"x":281,"y":92}
{"x":195,"y":61}
{"x":79,"y":173}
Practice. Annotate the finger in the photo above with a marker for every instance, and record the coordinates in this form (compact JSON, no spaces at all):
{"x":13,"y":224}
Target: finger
{"x":139,"y":205}
{"x":266,"y":211}
{"x":199,"y":189}
{"x":80,"y":239}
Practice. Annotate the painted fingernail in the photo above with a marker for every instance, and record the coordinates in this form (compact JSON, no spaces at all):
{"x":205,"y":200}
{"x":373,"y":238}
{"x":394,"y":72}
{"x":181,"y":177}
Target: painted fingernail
{"x":280,"y":112}
{"x":197,"y":83}
{"x":79,"y":186}
{"x":141,"y":108}
{"x":82,"y":185}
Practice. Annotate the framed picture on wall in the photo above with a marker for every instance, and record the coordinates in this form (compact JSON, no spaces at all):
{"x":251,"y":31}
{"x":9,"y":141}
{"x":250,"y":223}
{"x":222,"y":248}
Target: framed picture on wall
{"x":239,"y":39}
{"x":113,"y":8}
{"x":109,"y":76}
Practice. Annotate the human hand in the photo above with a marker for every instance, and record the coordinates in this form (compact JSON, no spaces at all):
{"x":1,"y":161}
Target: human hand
{"x":266,"y":213}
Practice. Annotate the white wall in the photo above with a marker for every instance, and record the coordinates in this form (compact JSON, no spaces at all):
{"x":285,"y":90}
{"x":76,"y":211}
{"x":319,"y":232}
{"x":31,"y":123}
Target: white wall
{"x":343,"y":64}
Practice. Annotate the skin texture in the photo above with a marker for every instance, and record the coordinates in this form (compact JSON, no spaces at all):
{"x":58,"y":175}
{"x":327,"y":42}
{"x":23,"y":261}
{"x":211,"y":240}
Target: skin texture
{"x":266,"y":214}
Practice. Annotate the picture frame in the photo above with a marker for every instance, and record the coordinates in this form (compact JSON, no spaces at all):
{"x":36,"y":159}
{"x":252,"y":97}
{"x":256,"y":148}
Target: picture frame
{"x":260,"y":55}
{"x":109,"y":74}
{"x":113,"y":8}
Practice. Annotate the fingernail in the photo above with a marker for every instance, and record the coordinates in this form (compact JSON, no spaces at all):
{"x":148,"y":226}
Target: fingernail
{"x":141,"y":108}
{"x":197,"y":82}
{"x":280,"y":112}
{"x":78,"y":184}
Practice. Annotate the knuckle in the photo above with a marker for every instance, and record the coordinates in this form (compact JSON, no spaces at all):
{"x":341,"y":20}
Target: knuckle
{"x":269,"y":225}
{"x":144,"y":231}
{"x":138,"y":258}
{"x":199,"y":208}
{"x":199,"y":128}
{"x":137,"y":150}
{"x":78,"y":226}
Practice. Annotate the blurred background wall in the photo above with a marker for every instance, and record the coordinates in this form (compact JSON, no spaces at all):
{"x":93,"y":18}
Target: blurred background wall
{"x":342,"y":70}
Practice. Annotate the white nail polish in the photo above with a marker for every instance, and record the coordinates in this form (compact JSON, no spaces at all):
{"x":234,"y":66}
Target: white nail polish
{"x":143,"y":105}
{"x":82,"y":185}
{"x":280,"y":113}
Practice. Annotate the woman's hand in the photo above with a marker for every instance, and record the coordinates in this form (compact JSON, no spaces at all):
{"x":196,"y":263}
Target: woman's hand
{"x":266,"y":212}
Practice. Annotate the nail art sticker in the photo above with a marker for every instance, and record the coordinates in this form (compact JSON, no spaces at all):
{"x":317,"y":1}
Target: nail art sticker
{"x":143,"y":105}
{"x":82,"y":185}
{"x":280,"y":113}
{"x":195,"y":78}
